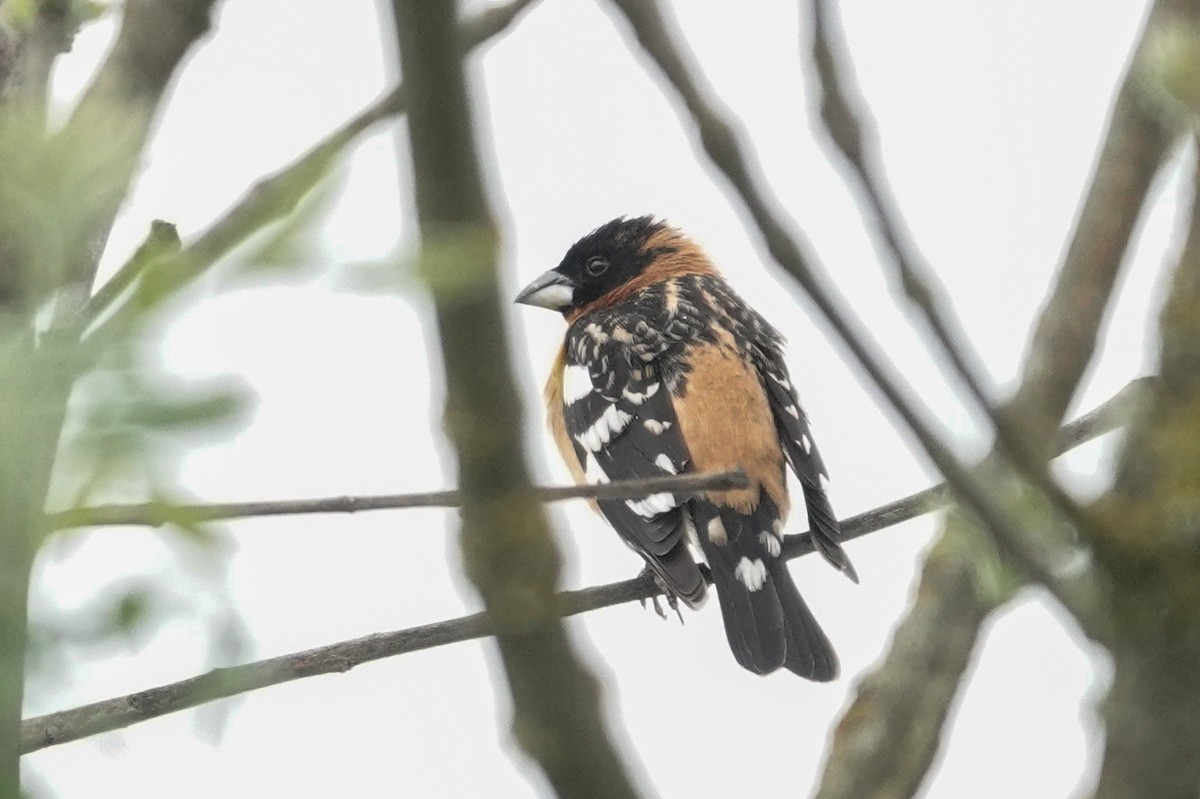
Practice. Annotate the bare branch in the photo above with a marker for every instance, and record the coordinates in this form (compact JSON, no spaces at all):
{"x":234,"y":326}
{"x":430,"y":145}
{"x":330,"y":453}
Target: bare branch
{"x":860,"y":762}
{"x":1152,"y":552}
{"x":155,"y":514}
{"x":508,"y":551}
{"x":111,"y":714}
{"x":1139,"y":138}
{"x":1105,"y":418}
{"x":851,"y":131}
{"x":933,"y":643}
{"x":162,"y":241}
{"x":723,"y":149}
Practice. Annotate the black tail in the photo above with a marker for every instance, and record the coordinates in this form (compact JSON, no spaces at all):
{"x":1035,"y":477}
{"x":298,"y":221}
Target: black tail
{"x":766,"y":621}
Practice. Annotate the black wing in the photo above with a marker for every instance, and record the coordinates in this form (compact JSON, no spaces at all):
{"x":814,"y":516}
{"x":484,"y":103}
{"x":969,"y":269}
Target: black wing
{"x":622,"y":426}
{"x":801,"y":451}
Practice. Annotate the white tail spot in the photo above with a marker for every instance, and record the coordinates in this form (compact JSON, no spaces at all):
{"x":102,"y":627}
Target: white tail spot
{"x":717,"y":533}
{"x":752,"y":573}
{"x":771,"y":543}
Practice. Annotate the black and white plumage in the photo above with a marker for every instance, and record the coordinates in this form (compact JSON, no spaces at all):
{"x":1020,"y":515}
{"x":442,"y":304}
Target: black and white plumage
{"x":665,"y":370}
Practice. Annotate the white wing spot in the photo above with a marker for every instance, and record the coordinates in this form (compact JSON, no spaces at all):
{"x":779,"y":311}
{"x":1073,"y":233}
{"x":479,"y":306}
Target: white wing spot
{"x":771,"y":543}
{"x":622,"y":335}
{"x":577,"y":383}
{"x":590,"y":440}
{"x":781,"y":381}
{"x":664,"y":463}
{"x":592,"y":471}
{"x":656,"y":427}
{"x":597,"y":333}
{"x":752,"y":573}
{"x":652,"y":505}
{"x":638,"y":399}
{"x":804,"y":442}
{"x":793,"y":411}
{"x":608,"y":426}
{"x":717,"y":533}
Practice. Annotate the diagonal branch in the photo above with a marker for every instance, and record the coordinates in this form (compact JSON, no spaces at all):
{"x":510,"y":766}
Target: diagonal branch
{"x":720,"y":143}
{"x":1135,"y":146}
{"x":154,"y":514}
{"x":850,"y":130}
{"x":123,"y":101}
{"x":278,"y":195}
{"x":111,"y":714}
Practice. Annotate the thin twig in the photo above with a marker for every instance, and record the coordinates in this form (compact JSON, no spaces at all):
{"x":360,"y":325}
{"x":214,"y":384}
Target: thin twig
{"x":852,"y":133}
{"x":155,"y":514}
{"x":162,"y":241}
{"x":721,"y":144}
{"x":111,"y":714}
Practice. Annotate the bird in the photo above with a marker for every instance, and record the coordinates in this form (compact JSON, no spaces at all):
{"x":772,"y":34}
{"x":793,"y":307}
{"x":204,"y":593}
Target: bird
{"x":665,"y":370}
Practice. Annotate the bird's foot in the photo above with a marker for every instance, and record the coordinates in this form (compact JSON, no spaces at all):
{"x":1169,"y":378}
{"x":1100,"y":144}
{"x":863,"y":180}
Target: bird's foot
{"x":667,"y":593}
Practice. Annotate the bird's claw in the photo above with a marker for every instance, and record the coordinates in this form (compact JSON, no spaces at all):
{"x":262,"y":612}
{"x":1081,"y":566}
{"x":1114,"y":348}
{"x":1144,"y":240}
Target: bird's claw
{"x":657,"y":606}
{"x":672,"y":600}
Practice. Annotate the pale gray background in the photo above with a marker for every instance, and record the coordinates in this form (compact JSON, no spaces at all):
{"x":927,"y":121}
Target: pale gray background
{"x":989,"y":116}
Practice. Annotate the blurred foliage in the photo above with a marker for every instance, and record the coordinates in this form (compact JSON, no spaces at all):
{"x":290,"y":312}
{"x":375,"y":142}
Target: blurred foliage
{"x":1172,"y":66}
{"x":296,"y":240}
{"x":87,"y":414}
{"x":51,"y":190}
{"x":19,"y":14}
{"x":87,"y":387}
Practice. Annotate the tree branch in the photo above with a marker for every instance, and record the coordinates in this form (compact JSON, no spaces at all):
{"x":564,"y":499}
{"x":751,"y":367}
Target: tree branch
{"x":1152,"y":552}
{"x":27,"y":57}
{"x":933,"y":643}
{"x":892,"y":698}
{"x":155,"y":514}
{"x":850,"y":130}
{"x":117,"y":111}
{"x":721,"y":145}
{"x":111,"y":714}
{"x":508,"y":551}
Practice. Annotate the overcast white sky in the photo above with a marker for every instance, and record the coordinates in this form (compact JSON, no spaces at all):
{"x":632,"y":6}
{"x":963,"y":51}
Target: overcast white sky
{"x":989,"y":116}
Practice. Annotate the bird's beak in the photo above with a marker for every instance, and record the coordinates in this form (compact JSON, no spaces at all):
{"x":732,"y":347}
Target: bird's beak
{"x":550,"y":290}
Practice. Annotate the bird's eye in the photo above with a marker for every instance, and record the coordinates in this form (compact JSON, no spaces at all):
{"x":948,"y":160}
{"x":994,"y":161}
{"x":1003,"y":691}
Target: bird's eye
{"x":596,"y":265}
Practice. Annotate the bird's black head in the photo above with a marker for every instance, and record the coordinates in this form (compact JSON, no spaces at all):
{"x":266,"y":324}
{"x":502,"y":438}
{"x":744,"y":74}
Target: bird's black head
{"x":607,"y":258}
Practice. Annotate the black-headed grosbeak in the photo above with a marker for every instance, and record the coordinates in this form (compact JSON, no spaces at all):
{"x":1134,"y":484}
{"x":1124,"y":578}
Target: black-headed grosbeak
{"x":665,"y":370}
